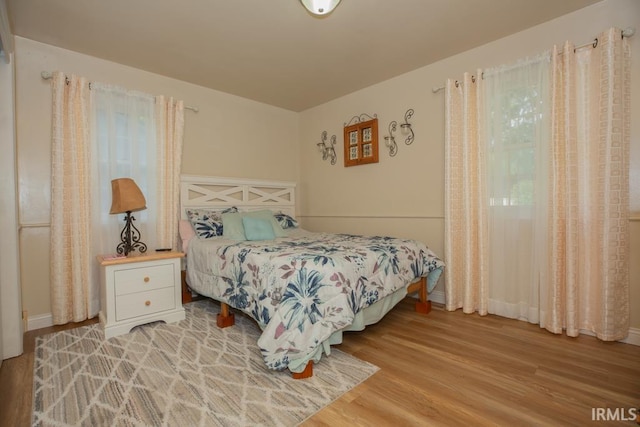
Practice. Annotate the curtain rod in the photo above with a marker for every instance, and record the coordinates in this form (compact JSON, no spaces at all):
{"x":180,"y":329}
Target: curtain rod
{"x":627,"y":32}
{"x":46,"y":75}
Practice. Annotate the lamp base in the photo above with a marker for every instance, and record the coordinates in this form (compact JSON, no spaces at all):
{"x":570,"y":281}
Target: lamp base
{"x":130,"y":237}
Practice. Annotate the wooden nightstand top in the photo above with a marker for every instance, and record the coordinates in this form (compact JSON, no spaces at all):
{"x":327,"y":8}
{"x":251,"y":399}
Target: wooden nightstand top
{"x":152,"y":256}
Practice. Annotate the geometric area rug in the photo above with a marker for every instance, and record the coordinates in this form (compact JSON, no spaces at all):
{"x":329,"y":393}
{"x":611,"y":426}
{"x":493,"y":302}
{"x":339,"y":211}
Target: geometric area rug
{"x":189,"y":373}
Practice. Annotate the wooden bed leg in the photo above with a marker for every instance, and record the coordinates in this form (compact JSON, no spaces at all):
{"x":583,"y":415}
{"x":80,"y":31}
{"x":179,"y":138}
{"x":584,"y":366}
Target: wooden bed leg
{"x":424,"y":305}
{"x":307,"y":373}
{"x":225,"y":317}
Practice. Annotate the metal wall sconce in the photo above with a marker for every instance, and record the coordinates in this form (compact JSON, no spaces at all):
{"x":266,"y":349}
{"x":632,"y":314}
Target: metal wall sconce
{"x":406,"y":127}
{"x":328,"y":150}
{"x":390,"y":140}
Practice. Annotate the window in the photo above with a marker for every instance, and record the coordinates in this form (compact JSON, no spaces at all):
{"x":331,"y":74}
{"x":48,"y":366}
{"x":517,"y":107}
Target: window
{"x":125,"y":146}
{"x":514,"y":107}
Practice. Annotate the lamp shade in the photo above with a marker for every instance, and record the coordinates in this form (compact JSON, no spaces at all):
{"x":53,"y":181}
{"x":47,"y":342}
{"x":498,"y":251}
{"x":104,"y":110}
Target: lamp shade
{"x":320,"y":7}
{"x":126,"y":196}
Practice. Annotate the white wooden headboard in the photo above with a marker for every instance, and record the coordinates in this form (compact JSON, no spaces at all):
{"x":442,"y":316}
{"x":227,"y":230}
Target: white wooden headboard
{"x":214,"y":192}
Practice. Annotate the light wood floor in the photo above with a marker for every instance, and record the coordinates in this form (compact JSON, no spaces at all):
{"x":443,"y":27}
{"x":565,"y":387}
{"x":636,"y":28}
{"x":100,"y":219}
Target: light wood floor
{"x":444,"y":369}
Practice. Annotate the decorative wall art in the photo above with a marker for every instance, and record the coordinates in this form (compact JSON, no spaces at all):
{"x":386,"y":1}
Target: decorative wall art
{"x":361,"y":140}
{"x":327,"y":149}
{"x":390,"y":140}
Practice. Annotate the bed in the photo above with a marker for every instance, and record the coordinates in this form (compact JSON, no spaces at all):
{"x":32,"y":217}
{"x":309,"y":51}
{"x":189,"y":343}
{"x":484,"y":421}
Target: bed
{"x":304,"y":289}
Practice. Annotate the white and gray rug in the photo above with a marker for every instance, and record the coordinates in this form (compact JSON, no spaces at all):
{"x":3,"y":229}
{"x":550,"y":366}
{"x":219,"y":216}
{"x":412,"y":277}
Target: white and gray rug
{"x":189,"y":373}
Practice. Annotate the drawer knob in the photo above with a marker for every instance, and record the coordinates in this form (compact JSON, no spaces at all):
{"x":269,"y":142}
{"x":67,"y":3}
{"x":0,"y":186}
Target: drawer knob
{"x":146,"y":280}
{"x":147,"y":303}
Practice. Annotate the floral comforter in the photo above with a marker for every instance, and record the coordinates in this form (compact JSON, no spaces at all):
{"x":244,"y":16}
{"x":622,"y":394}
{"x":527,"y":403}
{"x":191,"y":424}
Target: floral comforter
{"x":303,"y":288}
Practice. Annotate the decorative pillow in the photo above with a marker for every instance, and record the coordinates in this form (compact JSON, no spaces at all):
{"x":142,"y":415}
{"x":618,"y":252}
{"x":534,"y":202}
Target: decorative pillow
{"x":286,"y":221}
{"x":257,"y":229}
{"x":208,"y":223}
{"x":233,"y":228}
{"x":186,"y":233}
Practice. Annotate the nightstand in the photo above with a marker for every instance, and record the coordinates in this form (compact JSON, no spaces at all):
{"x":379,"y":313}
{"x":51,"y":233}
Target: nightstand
{"x":139,"y":289}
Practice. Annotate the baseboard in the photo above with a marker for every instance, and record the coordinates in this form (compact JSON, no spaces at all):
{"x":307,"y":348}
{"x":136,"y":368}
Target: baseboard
{"x":46,"y":320}
{"x":40,"y":321}
{"x":437,"y":297}
{"x":633,"y":338}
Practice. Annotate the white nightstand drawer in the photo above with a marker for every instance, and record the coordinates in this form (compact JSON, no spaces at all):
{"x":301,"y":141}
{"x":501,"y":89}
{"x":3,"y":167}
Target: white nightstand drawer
{"x":143,"y":303}
{"x":140,"y":279}
{"x":139,"y":289}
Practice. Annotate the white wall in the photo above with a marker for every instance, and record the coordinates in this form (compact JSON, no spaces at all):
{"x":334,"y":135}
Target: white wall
{"x":404,"y":195}
{"x":229,"y":136}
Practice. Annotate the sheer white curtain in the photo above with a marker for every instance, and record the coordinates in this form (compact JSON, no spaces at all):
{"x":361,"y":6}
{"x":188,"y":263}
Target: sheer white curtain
{"x":556,"y":177}
{"x":517,"y":139}
{"x":74,"y":287}
{"x":124,"y":142}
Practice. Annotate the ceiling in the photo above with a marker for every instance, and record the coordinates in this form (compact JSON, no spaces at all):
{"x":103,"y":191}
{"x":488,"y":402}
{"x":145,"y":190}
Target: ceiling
{"x":274,"y":51}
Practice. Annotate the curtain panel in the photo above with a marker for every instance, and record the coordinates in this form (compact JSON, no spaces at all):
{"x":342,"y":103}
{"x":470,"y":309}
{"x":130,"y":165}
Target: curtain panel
{"x":466,"y":204}
{"x":74,"y":288}
{"x":588,"y":241}
{"x":169,"y":115}
{"x":99,"y":135}
{"x":568,"y":268}
{"x":517,"y":137}
{"x":124,"y":140}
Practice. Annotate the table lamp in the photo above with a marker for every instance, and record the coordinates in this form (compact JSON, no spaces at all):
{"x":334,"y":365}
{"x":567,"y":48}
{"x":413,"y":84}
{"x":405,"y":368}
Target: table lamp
{"x":126,"y":197}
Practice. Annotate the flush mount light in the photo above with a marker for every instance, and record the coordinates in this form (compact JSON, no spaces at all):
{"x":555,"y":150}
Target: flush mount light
{"x":320,"y":7}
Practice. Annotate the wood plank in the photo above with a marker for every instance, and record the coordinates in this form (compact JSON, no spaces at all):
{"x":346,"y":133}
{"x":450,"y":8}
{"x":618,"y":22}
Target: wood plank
{"x":16,"y":379}
{"x":446,"y":368}
{"x":474,"y":370}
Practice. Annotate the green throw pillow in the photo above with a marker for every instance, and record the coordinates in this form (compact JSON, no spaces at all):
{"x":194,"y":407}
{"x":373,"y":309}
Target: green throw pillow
{"x":257,"y":229}
{"x":232,"y":227}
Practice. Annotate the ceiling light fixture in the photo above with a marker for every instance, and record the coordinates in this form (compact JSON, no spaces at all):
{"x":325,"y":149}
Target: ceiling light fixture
{"x":320,"y":7}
